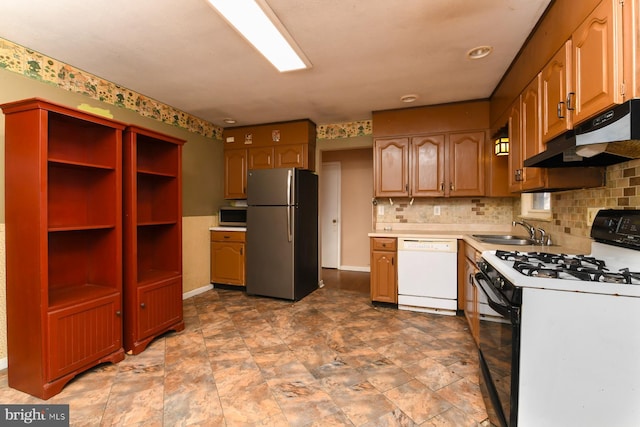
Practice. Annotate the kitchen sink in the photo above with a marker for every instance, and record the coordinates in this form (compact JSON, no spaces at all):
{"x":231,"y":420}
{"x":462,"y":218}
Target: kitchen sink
{"x":504,"y":239}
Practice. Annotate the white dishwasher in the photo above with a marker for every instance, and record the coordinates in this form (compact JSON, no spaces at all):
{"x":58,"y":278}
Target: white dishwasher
{"x":428,"y":275}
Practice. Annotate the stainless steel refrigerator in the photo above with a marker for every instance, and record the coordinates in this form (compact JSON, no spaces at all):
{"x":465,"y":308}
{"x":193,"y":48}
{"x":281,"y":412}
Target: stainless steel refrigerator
{"x":282,"y":233}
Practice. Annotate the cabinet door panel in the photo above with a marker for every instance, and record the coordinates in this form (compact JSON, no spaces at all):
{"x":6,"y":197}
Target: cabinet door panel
{"x":597,"y":55}
{"x":160,"y":306}
{"x":391,"y":167}
{"x":235,"y":174}
{"x":227,"y":263}
{"x":427,"y":165}
{"x":261,"y":158}
{"x":556,"y":84}
{"x":515,"y":148}
{"x":81,"y":334}
{"x":531,"y":134}
{"x":383,"y":277}
{"x":466,"y":154}
{"x":291,"y":156}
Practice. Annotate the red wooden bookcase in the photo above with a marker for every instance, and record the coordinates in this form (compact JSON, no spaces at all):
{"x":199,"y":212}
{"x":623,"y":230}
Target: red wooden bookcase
{"x":63,"y":207}
{"x":152,"y":236}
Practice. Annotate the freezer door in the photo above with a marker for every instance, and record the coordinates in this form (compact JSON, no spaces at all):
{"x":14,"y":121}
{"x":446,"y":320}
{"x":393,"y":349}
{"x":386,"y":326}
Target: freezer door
{"x":270,"y":251}
{"x":270,"y":187}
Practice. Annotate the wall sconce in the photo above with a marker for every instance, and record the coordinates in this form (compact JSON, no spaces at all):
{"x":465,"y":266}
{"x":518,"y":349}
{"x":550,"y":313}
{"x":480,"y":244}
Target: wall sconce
{"x":502,"y":143}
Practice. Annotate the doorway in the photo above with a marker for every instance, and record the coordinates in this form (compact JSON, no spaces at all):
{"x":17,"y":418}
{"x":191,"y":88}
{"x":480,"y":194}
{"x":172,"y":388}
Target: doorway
{"x":330,"y":195}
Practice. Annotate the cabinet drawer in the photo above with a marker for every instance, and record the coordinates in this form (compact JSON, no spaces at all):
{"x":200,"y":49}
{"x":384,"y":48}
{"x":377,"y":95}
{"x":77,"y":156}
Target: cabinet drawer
{"x":384,"y":243}
{"x":228,"y":236}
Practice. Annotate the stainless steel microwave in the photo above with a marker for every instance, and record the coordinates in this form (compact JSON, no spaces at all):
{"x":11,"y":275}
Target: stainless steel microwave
{"x":233,"y":216}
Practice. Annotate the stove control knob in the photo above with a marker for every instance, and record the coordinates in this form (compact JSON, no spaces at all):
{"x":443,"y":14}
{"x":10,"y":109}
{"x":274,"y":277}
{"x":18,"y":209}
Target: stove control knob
{"x":500,"y":282}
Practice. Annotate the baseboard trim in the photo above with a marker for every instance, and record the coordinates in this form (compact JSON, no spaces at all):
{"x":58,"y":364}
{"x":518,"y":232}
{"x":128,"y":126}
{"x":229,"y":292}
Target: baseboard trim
{"x":4,"y":363}
{"x":197,"y":291}
{"x":354,"y":268}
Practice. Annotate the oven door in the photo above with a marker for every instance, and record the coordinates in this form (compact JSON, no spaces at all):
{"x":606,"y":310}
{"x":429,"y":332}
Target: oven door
{"x":499,"y":356}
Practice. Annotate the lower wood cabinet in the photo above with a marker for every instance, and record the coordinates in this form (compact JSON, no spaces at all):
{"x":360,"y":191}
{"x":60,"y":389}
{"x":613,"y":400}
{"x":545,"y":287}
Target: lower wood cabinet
{"x":384,"y":270}
{"x":228,"y":257}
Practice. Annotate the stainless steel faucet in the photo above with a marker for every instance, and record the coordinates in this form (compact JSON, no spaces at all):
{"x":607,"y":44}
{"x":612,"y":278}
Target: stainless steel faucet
{"x":533,"y":231}
{"x":530,"y":228}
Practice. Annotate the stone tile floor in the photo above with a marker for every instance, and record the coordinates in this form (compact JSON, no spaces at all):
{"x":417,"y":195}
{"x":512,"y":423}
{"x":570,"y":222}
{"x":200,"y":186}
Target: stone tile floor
{"x":331,"y":359}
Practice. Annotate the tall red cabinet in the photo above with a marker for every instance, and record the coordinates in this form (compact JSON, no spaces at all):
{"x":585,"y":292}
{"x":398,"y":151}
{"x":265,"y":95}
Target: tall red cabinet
{"x":152,"y":236}
{"x":63,"y":207}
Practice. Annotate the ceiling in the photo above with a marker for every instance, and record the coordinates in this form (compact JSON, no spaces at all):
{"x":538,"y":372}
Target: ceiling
{"x":365,"y":54}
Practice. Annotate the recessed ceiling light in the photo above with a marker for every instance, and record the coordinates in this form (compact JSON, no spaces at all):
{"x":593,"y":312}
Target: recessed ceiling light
{"x":229,"y":121}
{"x":409,"y":98}
{"x":479,"y":52}
{"x":260,"y":26}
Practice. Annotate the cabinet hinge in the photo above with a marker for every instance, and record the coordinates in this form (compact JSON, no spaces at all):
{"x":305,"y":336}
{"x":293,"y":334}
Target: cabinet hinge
{"x":622,"y":89}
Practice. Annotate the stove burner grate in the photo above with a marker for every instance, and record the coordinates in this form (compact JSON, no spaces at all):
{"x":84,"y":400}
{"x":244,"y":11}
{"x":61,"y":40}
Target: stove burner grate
{"x":561,"y":266}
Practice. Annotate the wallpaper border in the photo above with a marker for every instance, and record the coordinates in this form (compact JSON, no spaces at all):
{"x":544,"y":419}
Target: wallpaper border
{"x":37,"y":66}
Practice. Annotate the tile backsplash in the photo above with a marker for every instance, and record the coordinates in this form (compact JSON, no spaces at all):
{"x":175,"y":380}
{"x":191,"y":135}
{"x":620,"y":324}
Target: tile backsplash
{"x":476,"y":210}
{"x":622,"y":191}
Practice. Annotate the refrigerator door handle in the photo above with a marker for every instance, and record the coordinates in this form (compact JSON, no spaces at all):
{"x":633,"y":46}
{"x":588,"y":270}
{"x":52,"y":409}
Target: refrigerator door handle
{"x":289,"y":187}
{"x":289,"y":207}
{"x":289,"y":224}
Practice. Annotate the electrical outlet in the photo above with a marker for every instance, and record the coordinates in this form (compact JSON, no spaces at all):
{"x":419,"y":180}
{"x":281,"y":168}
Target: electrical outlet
{"x":591,"y":214}
{"x":380,"y":210}
{"x":436,"y":210}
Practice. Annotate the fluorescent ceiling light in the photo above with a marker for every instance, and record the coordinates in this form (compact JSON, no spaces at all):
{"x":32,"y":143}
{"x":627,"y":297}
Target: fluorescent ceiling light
{"x":257,"y":23}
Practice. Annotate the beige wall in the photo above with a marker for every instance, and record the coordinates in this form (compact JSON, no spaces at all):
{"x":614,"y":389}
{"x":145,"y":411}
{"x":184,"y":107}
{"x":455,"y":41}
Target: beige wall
{"x":356,"y":168}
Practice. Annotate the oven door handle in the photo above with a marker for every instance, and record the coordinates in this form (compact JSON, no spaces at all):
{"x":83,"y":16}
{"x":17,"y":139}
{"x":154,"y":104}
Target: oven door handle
{"x":495,"y":300}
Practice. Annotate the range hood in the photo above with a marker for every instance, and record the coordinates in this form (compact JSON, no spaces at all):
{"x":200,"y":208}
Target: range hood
{"x":611,"y":137}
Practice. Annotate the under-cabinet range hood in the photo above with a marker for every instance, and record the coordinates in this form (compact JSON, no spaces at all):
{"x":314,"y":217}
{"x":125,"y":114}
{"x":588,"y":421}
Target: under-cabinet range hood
{"x":609,"y":138}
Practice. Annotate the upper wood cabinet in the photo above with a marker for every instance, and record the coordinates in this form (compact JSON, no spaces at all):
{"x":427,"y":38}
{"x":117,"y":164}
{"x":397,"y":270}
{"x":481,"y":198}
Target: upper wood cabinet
{"x":293,"y":156}
{"x":427,"y":165}
{"x":391,"y":167}
{"x":597,"y":62}
{"x":235,"y":174}
{"x":273,"y":145}
{"x":531,"y":136}
{"x":261,"y":158}
{"x":555,"y":81}
{"x":436,"y":151}
{"x":440,"y":165}
{"x":466,"y":171}
{"x":515,"y":147}
{"x":525,"y":141}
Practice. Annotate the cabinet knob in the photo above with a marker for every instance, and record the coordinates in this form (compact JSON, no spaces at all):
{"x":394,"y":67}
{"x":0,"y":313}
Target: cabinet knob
{"x":451,"y":187}
{"x":118,"y":313}
{"x":142,"y":305}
